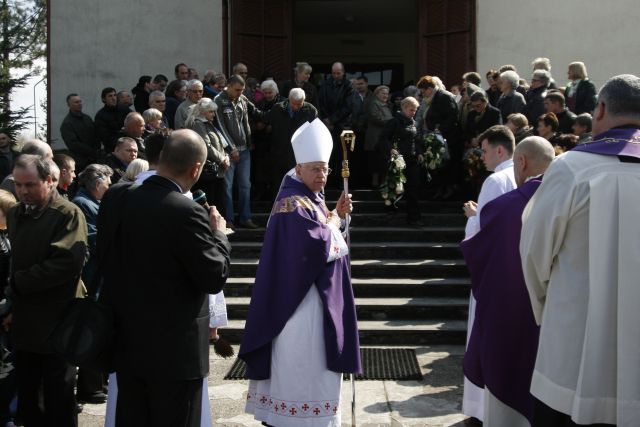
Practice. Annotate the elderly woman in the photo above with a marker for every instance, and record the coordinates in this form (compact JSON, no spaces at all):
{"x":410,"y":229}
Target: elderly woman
{"x":302,"y":73}
{"x":510,"y":101}
{"x":201,"y":120}
{"x":378,"y":114}
{"x":176,"y":92}
{"x":400,"y":136}
{"x":134,"y":169}
{"x":152,"y":121}
{"x":580,"y":93}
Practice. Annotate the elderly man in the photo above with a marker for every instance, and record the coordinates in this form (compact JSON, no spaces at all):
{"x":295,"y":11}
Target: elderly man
{"x":554,"y":103}
{"x":511,"y":101}
{"x":158,"y":101}
{"x":134,"y":128}
{"x":125,"y":152}
{"x":124,"y":100}
{"x":160,"y":361}
{"x":194,"y":94}
{"x":580,"y":254}
{"x":32,"y":146}
{"x":233,"y":116}
{"x":536,"y":94}
{"x":49,"y":244}
{"x":301,"y":332}
{"x":109,"y":119}
{"x":498,"y":144}
{"x":504,"y":338}
{"x":285,"y":118}
{"x":78,"y":133}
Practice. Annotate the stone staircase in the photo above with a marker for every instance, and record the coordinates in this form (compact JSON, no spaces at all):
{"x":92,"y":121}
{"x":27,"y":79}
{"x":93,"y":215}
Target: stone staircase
{"x":411,"y":284}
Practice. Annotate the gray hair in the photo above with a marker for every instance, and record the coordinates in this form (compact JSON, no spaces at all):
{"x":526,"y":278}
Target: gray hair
{"x":55,"y":170}
{"x":541,"y":64}
{"x":621,"y":96}
{"x":297,"y":94}
{"x":131,"y":117}
{"x":512,"y":77}
{"x":92,"y":174}
{"x":43,"y":166}
{"x":198,"y":109}
{"x":38,"y":148}
{"x":542,"y":75}
{"x":135,"y":168}
{"x":302,"y":67}
{"x":269,"y":84}
{"x":156,"y":94}
{"x":151,"y":114}
{"x":192,"y":84}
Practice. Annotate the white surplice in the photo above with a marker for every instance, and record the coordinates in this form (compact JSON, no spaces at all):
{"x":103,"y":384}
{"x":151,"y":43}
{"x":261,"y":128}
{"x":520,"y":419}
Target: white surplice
{"x":580,"y":251}
{"x":501,"y":181}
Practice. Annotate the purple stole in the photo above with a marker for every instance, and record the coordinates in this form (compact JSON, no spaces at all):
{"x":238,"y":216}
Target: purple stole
{"x":620,"y":141}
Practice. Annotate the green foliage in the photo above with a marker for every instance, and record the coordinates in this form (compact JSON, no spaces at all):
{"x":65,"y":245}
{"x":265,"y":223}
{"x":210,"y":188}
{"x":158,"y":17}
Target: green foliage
{"x":22,"y":44}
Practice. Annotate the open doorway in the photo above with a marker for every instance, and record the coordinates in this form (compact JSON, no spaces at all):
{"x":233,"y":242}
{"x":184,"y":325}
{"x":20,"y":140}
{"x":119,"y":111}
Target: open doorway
{"x":377,"y":38}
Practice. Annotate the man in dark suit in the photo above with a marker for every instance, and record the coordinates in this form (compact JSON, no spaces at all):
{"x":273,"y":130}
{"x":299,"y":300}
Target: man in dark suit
{"x":481,"y":117}
{"x":160,"y":301}
{"x":443,"y":115}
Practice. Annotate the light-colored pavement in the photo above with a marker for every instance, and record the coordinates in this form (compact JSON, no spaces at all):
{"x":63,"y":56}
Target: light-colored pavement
{"x":434,"y":401}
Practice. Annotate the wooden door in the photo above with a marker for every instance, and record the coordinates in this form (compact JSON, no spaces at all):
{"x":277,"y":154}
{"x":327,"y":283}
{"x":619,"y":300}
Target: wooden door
{"x":447,"y":39}
{"x":261,"y":33}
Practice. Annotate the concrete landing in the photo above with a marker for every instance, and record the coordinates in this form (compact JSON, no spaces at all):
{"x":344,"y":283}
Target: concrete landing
{"x":434,"y":401}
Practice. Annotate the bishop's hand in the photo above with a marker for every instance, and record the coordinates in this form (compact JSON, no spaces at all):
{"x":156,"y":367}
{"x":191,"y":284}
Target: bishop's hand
{"x":344,"y":206}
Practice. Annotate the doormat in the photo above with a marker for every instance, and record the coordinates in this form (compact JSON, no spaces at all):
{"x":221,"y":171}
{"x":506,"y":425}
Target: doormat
{"x":399,"y":364}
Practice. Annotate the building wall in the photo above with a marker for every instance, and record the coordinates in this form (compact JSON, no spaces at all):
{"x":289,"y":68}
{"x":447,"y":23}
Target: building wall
{"x":602,"y":34}
{"x":96,"y":44}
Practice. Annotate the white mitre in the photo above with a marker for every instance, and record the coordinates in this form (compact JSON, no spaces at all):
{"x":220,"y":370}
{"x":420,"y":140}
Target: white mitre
{"x":312,"y":142}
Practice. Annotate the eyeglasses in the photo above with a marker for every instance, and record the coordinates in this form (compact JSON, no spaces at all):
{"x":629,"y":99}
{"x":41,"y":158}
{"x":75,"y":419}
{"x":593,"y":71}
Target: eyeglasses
{"x":319,"y":170}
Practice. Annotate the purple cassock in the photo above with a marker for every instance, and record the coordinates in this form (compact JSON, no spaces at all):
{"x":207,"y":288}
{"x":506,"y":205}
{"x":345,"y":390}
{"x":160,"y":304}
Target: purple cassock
{"x":502,"y":349}
{"x":294,"y":257}
{"x":623,"y":141}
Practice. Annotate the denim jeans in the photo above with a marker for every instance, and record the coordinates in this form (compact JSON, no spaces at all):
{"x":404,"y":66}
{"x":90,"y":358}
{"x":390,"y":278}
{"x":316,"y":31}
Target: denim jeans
{"x":241,"y":171}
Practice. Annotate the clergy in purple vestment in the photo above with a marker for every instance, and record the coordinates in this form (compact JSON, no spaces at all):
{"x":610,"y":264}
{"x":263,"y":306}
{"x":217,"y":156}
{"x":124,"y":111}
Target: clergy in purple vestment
{"x":502,"y":348}
{"x":301,"y":332}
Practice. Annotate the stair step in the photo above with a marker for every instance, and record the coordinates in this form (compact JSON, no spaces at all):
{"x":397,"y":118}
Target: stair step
{"x":397,"y":219}
{"x":375,"y":234}
{"x":378,"y":268}
{"x":368,"y":250}
{"x":388,"y":332}
{"x":372,"y":206}
{"x":378,"y":287}
{"x":383,"y":308}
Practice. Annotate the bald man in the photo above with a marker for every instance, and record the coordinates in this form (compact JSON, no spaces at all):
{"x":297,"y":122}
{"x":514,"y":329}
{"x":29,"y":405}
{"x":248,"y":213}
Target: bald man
{"x":501,"y":352}
{"x":161,"y":361}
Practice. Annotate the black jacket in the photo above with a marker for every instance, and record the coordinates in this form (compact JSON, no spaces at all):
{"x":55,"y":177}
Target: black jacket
{"x":108,"y":122}
{"x":535,"y":104}
{"x":161,"y":306}
{"x":584,"y":97}
{"x":490,"y":118}
{"x":79,"y":135}
{"x":443,"y":115}
{"x":401,"y":133}
{"x":566,"y":119}
{"x":333,"y":101}
{"x":283,"y":127}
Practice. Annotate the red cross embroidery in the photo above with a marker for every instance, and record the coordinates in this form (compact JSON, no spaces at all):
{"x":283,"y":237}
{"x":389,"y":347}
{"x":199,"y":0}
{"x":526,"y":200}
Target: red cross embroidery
{"x":335,"y":409}
{"x":276,"y":408}
{"x":283,"y":406}
{"x":336,"y":249}
{"x":327,"y":406}
{"x":305,"y":407}
{"x":263,"y":400}
{"x":292,"y":411}
{"x":316,"y":411}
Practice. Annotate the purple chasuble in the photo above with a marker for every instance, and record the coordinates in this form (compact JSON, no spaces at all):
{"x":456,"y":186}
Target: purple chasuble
{"x":502,"y":349}
{"x":294,"y":257}
{"x":623,"y":141}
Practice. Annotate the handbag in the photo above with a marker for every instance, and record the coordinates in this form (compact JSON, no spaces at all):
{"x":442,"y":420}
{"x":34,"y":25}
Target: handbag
{"x":85,"y":336}
{"x":209,"y":171}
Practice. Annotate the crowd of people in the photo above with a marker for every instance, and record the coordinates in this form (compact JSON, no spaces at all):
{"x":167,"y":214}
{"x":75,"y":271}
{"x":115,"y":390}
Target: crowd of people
{"x":239,"y":140}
